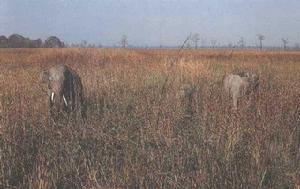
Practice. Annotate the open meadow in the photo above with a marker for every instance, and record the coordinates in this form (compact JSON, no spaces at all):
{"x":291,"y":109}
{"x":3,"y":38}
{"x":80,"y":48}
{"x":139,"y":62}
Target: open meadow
{"x":142,"y":130}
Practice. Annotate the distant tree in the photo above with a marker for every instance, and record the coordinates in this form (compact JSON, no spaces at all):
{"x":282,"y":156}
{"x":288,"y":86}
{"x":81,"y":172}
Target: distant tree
{"x":230,"y":45}
{"x":296,"y":46}
{"x":17,"y":41}
{"x":74,"y":45}
{"x":83,"y":44}
{"x":67,"y":45}
{"x":195,"y":39}
{"x":261,"y":38}
{"x":213,"y":43}
{"x":188,"y":45}
{"x":285,"y":41}
{"x":3,"y":42}
{"x":91,"y":45}
{"x":203,"y":43}
{"x":38,"y":43}
{"x":53,"y":42}
{"x":241,"y":43}
{"x":124,"y":41}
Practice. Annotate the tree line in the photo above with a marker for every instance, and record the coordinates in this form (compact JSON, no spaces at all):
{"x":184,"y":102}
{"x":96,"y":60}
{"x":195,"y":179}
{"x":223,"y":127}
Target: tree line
{"x":19,"y":41}
{"x":193,"y":41}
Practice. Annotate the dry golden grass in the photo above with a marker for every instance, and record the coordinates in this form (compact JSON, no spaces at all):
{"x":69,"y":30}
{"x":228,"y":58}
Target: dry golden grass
{"x":141,"y":131}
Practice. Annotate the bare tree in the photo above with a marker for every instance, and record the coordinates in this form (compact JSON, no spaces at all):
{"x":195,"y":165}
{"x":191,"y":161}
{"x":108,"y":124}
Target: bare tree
{"x":195,"y":38}
{"x":83,"y":44}
{"x":188,"y":45}
{"x":241,"y":43}
{"x":261,"y":38}
{"x":213,"y":43}
{"x":203,"y":43}
{"x":186,"y":41}
{"x":285,"y":41}
{"x":91,"y":45}
{"x":99,"y":45}
{"x":297,"y":46}
{"x":124,"y":41}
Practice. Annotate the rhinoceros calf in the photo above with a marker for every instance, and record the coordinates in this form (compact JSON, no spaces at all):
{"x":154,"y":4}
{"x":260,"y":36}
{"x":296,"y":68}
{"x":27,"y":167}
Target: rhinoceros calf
{"x":237,"y":86}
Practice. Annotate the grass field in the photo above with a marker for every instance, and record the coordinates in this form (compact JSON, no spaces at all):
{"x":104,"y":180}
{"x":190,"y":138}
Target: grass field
{"x":141,"y":131}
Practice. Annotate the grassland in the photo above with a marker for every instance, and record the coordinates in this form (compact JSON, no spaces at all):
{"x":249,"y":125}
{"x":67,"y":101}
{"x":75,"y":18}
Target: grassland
{"x":141,"y":132}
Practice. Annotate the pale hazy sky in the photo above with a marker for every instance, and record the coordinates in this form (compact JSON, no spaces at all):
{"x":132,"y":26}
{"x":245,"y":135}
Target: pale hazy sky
{"x":152,"y":22}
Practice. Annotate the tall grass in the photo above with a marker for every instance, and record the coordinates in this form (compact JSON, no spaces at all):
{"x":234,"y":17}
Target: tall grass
{"x":142,"y":132}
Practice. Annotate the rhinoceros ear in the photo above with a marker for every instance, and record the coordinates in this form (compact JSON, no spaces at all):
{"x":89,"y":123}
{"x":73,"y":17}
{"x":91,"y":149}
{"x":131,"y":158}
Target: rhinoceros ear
{"x":45,"y":76}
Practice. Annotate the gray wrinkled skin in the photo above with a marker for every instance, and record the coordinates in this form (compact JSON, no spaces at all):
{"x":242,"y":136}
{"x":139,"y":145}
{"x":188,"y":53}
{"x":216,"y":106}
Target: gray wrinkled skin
{"x":65,"y":91}
{"x":237,"y":86}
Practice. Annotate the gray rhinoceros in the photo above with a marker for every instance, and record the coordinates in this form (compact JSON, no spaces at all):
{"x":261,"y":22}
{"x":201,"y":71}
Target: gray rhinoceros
{"x":239,"y":85}
{"x":65,"y":91}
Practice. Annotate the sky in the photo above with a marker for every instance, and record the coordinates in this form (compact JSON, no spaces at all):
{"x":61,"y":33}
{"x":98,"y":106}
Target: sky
{"x":153,"y":22}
